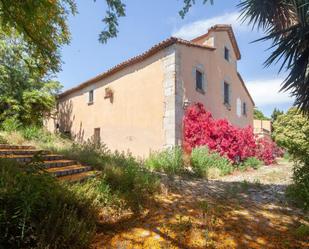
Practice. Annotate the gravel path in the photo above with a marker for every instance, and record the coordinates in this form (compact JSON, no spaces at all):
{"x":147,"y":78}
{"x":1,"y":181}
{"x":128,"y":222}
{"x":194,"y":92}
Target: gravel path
{"x":266,"y":185}
{"x":243,"y":210}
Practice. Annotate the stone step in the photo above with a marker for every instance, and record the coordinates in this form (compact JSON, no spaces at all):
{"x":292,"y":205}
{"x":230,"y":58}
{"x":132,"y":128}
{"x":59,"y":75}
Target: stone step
{"x":79,"y":177}
{"x":68,"y":170}
{"x":16,"y":147}
{"x":58,"y":163}
{"x":29,"y":158}
{"x":22,"y":152}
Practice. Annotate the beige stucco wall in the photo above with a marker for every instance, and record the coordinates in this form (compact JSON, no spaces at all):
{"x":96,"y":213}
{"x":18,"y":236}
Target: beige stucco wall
{"x":216,"y":70}
{"x":133,"y":121}
{"x":147,"y":108}
{"x":262,"y":128}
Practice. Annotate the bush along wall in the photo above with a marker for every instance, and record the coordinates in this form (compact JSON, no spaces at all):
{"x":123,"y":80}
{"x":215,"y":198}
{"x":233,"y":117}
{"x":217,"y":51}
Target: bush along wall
{"x":237,"y":144}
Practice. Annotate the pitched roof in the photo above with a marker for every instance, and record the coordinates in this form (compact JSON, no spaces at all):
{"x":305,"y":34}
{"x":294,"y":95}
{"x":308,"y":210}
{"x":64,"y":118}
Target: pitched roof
{"x":229,"y":30}
{"x":246,"y":89}
{"x":156,"y":48}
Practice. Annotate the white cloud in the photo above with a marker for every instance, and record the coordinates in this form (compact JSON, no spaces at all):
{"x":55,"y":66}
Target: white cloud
{"x":194,"y":29}
{"x":266,"y":92}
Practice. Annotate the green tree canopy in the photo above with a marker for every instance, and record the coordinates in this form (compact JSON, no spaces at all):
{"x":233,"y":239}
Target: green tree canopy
{"x":275,"y":114}
{"x":257,"y":114}
{"x":286,"y":24}
{"x":42,"y":25}
{"x":24,"y":93}
{"x":291,"y":131}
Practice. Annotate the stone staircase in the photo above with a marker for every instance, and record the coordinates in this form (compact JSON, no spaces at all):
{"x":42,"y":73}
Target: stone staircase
{"x":57,"y":165}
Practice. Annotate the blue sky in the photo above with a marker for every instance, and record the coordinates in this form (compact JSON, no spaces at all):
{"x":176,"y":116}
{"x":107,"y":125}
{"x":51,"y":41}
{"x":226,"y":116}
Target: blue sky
{"x":147,"y":23}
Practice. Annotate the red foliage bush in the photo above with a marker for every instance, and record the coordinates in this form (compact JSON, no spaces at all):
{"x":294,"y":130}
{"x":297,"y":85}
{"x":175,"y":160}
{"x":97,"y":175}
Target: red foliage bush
{"x":237,"y":144}
{"x":219,"y":135}
{"x":267,"y":150}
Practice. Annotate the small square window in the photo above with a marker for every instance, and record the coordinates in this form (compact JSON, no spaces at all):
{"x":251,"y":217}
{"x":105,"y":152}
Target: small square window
{"x":90,"y":97}
{"x":199,"y":80}
{"x":226,"y":93}
{"x":244,"y":109}
{"x":226,"y":54}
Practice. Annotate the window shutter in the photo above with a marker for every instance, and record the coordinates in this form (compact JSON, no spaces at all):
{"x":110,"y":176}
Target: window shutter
{"x":238,"y":107}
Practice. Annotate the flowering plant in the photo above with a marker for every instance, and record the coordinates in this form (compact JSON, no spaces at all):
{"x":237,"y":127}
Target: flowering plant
{"x":237,"y":144}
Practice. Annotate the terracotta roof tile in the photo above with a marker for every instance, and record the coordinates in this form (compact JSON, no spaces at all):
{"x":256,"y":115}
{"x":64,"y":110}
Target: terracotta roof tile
{"x":156,"y":48}
{"x":229,"y":30}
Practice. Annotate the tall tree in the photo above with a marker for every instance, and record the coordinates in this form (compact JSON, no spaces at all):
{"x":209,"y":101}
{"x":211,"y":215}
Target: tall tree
{"x":42,"y":25}
{"x":257,"y":114}
{"x":275,"y":114}
{"x":291,"y":131}
{"x":24,"y":93}
{"x":286,"y":24}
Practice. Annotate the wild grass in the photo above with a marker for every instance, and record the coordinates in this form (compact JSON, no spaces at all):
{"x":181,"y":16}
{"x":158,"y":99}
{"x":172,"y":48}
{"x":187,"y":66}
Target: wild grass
{"x":169,"y":161}
{"x":298,"y":192}
{"x":209,"y":164}
{"x":38,"y":212}
{"x":250,"y":162}
{"x":122,"y":172}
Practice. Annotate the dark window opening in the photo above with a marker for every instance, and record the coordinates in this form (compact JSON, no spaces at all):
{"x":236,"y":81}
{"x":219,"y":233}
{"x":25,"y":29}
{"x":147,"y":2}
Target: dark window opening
{"x":90,"y":99}
{"x":226,"y":53}
{"x":226,"y":93}
{"x":244,"y":109}
{"x":199,"y":80}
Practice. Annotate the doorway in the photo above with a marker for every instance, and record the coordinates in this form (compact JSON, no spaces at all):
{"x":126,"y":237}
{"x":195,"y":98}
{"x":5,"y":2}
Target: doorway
{"x":97,"y":136}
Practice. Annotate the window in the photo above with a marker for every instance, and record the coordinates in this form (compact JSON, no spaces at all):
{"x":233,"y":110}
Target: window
{"x":199,"y":80}
{"x":226,"y":53}
{"x":90,"y":97}
{"x":238,"y":107}
{"x":244,"y":109}
{"x":226,"y":93}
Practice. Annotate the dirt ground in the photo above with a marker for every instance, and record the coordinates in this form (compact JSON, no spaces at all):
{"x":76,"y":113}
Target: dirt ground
{"x":243,"y":210}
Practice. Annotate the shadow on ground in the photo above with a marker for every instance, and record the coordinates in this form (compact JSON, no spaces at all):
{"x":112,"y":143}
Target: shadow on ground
{"x":210,"y":214}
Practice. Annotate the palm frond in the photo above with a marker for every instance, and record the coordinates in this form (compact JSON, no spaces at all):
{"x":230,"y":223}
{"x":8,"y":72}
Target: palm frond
{"x":286,"y":24}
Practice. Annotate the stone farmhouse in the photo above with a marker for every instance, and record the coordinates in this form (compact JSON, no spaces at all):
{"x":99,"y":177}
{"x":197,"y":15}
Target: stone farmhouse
{"x":139,"y":104}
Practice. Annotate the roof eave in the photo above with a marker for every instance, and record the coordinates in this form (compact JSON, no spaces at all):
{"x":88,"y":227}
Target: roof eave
{"x":158,"y":47}
{"x":246,"y":89}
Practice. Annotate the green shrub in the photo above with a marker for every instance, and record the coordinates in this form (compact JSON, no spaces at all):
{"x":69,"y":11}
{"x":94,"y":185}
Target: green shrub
{"x":96,"y":155}
{"x":291,"y":131}
{"x":252,"y":162}
{"x":202,"y":161}
{"x":97,"y":191}
{"x":299,"y":190}
{"x":302,"y":231}
{"x":37,"y":134}
{"x":122,"y":172}
{"x":132,"y":182}
{"x":3,"y":140}
{"x":36,"y":211}
{"x":287,"y":156}
{"x":11,"y":124}
{"x":169,"y":161}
